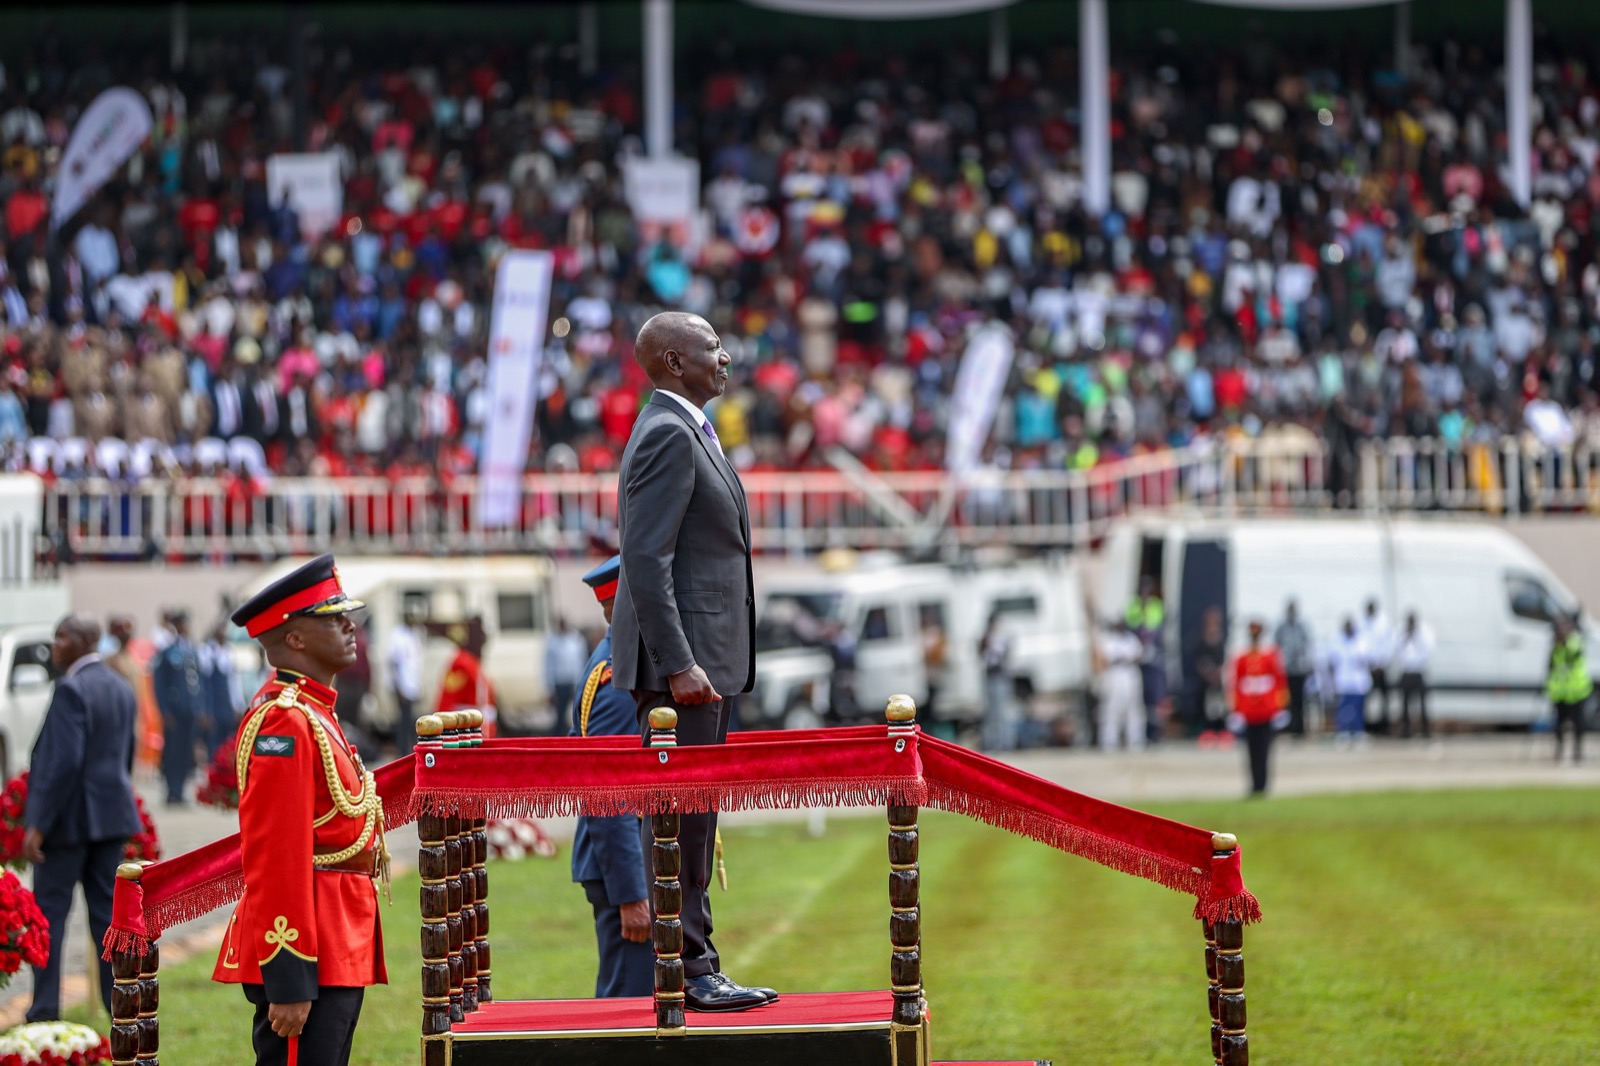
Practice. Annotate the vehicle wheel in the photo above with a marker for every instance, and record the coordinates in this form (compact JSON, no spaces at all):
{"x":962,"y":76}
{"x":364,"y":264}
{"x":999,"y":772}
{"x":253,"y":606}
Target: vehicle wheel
{"x":801,"y":716}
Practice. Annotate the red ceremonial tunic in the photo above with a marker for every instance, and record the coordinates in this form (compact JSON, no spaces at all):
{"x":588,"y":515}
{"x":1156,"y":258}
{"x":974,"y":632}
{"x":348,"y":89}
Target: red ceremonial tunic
{"x":465,"y":685}
{"x":297,"y":927}
{"x":1260,"y":687}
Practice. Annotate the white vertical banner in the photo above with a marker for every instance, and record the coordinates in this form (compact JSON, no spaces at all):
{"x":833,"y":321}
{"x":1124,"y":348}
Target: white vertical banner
{"x":516,"y":349}
{"x":110,"y":130}
{"x":311,"y":182}
{"x":980,"y":382}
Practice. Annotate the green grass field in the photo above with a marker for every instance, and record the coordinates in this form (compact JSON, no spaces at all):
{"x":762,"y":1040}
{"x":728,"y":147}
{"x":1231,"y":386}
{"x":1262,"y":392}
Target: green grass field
{"x":1431,"y":928}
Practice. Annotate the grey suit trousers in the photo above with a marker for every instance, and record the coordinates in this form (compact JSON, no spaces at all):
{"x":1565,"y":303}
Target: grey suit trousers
{"x":705,"y":723}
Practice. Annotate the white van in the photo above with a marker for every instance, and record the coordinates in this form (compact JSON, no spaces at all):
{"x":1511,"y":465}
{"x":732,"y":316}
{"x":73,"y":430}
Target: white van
{"x":30,"y":607}
{"x":512,"y":594}
{"x":886,"y":605}
{"x":1487,"y":599}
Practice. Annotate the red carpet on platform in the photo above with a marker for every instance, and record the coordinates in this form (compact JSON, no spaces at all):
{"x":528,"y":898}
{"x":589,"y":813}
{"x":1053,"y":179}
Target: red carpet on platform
{"x":563,"y":1015}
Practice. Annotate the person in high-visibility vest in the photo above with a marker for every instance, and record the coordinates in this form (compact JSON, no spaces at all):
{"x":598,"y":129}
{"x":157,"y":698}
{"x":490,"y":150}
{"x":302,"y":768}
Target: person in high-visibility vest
{"x":1568,"y":685}
{"x":1147,"y":618}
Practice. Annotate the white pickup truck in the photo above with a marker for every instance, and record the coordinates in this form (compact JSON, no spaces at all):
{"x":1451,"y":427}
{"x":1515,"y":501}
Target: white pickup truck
{"x":889,"y":608}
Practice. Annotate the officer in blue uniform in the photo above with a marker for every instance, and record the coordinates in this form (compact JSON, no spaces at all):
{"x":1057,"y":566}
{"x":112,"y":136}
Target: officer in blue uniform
{"x":607,"y":853}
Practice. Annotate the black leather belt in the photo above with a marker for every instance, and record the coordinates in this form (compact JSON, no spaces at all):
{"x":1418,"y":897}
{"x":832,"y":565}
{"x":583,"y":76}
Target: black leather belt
{"x":365,"y":863}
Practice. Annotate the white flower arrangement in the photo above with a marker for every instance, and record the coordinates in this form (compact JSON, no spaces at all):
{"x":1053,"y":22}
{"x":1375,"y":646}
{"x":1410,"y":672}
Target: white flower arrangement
{"x":47,"y":1042}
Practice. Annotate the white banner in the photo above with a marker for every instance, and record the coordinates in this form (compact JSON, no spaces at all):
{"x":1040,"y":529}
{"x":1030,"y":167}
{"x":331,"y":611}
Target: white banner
{"x":979,"y":385}
{"x":662,"y":190}
{"x":516,"y":349}
{"x":311,"y":181}
{"x":111,"y":130}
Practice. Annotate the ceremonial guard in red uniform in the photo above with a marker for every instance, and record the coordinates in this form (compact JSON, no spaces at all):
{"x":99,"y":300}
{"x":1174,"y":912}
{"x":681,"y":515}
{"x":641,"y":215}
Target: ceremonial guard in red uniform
{"x":465,"y":685}
{"x":304,"y":940}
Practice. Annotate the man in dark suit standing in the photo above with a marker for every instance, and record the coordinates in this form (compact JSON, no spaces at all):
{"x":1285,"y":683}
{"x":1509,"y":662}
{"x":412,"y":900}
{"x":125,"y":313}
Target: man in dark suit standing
{"x":607,"y":858}
{"x":80,"y":808}
{"x":683,"y":627}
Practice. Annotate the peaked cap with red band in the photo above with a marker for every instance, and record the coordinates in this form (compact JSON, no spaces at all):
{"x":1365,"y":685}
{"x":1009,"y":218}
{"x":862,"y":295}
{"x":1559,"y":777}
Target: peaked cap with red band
{"x":603,"y":578}
{"x":313,"y":589}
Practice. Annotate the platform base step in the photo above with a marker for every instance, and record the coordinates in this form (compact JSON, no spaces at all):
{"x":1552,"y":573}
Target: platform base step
{"x":840,"y":1029}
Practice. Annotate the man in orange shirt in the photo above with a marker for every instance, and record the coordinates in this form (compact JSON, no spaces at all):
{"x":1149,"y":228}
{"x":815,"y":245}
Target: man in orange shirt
{"x":1258,"y":688}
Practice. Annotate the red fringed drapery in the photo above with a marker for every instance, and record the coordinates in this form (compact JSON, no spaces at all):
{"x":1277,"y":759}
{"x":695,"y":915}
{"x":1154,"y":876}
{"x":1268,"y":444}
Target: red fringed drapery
{"x":546,"y":777}
{"x":1145,"y":845}
{"x":182,"y":888}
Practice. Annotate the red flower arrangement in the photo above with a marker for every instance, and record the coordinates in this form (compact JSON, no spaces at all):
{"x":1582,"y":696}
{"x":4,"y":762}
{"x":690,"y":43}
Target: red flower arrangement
{"x":221,"y":787}
{"x":14,"y":803}
{"x":145,"y":845}
{"x":24,"y":936}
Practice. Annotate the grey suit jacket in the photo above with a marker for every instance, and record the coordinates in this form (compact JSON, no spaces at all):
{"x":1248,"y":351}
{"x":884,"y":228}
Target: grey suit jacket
{"x":687,"y":590}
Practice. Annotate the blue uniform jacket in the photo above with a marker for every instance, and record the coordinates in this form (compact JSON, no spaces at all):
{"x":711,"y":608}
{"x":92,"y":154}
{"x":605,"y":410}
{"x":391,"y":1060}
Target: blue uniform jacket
{"x":607,"y":850}
{"x":175,"y":676}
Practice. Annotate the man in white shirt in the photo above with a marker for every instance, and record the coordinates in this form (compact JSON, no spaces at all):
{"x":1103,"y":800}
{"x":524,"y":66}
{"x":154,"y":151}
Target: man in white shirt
{"x":1121,"y":687}
{"x":1413,"y":651}
{"x":1351,"y":680}
{"x":1377,"y":637}
{"x":405,"y":676}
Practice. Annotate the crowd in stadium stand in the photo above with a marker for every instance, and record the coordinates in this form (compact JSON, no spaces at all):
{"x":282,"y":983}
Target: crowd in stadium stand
{"x":1299,"y":245}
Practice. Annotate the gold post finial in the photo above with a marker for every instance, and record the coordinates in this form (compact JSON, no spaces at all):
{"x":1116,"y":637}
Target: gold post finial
{"x":663,"y":718}
{"x":430,"y":725}
{"x":451,"y":719}
{"x":901,"y":708}
{"x":130,"y":871}
{"x":474,"y":718}
{"x":1224,"y":842}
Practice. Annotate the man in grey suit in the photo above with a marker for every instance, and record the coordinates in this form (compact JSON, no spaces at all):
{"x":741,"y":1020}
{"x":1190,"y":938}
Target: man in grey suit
{"x":80,"y":807}
{"x":683,"y":629}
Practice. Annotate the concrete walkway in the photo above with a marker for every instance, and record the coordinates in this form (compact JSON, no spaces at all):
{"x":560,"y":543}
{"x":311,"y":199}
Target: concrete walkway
{"x":1177,"y":771}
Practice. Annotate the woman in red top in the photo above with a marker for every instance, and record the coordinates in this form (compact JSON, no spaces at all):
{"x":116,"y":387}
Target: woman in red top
{"x":1258,"y":689}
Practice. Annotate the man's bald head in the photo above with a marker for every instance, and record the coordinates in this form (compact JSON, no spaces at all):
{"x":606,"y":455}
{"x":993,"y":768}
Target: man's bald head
{"x":76,"y":636}
{"x":666,"y":332}
{"x":682,"y":354}
{"x":81,"y":627}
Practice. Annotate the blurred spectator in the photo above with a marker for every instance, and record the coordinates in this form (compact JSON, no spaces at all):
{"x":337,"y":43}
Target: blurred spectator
{"x":1258,"y":690}
{"x":1122,"y":704}
{"x":1413,"y":652}
{"x":1350,"y":679}
{"x":999,"y":716}
{"x":1203,"y":681}
{"x":1377,"y":640}
{"x":175,"y":674}
{"x":1295,"y":644}
{"x":1568,"y":685}
{"x":565,"y":651}
{"x":1299,"y":239}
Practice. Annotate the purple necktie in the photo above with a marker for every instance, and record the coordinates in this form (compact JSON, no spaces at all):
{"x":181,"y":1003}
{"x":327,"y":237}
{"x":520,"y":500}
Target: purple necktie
{"x":710,"y":432}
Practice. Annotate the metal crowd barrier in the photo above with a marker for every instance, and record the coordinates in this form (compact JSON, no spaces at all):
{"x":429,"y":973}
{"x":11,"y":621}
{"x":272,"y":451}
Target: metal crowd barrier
{"x":803,"y":512}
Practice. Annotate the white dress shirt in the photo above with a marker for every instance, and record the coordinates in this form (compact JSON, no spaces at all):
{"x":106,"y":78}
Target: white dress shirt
{"x":699,"y":416}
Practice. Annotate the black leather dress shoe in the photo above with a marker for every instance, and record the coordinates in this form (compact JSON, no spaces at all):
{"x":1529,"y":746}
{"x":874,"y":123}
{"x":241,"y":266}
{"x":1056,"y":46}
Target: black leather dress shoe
{"x":714,"y":992}
{"x":770,"y":993}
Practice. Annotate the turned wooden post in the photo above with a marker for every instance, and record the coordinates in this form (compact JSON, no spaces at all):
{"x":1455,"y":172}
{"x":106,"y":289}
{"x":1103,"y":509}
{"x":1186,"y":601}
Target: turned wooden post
{"x":431,"y":867}
{"x":450,"y":738}
{"x":129,"y":1042}
{"x":1225,"y":974}
{"x":666,"y":894}
{"x":149,"y":1003}
{"x":905,"y":888}
{"x":471,"y":737}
